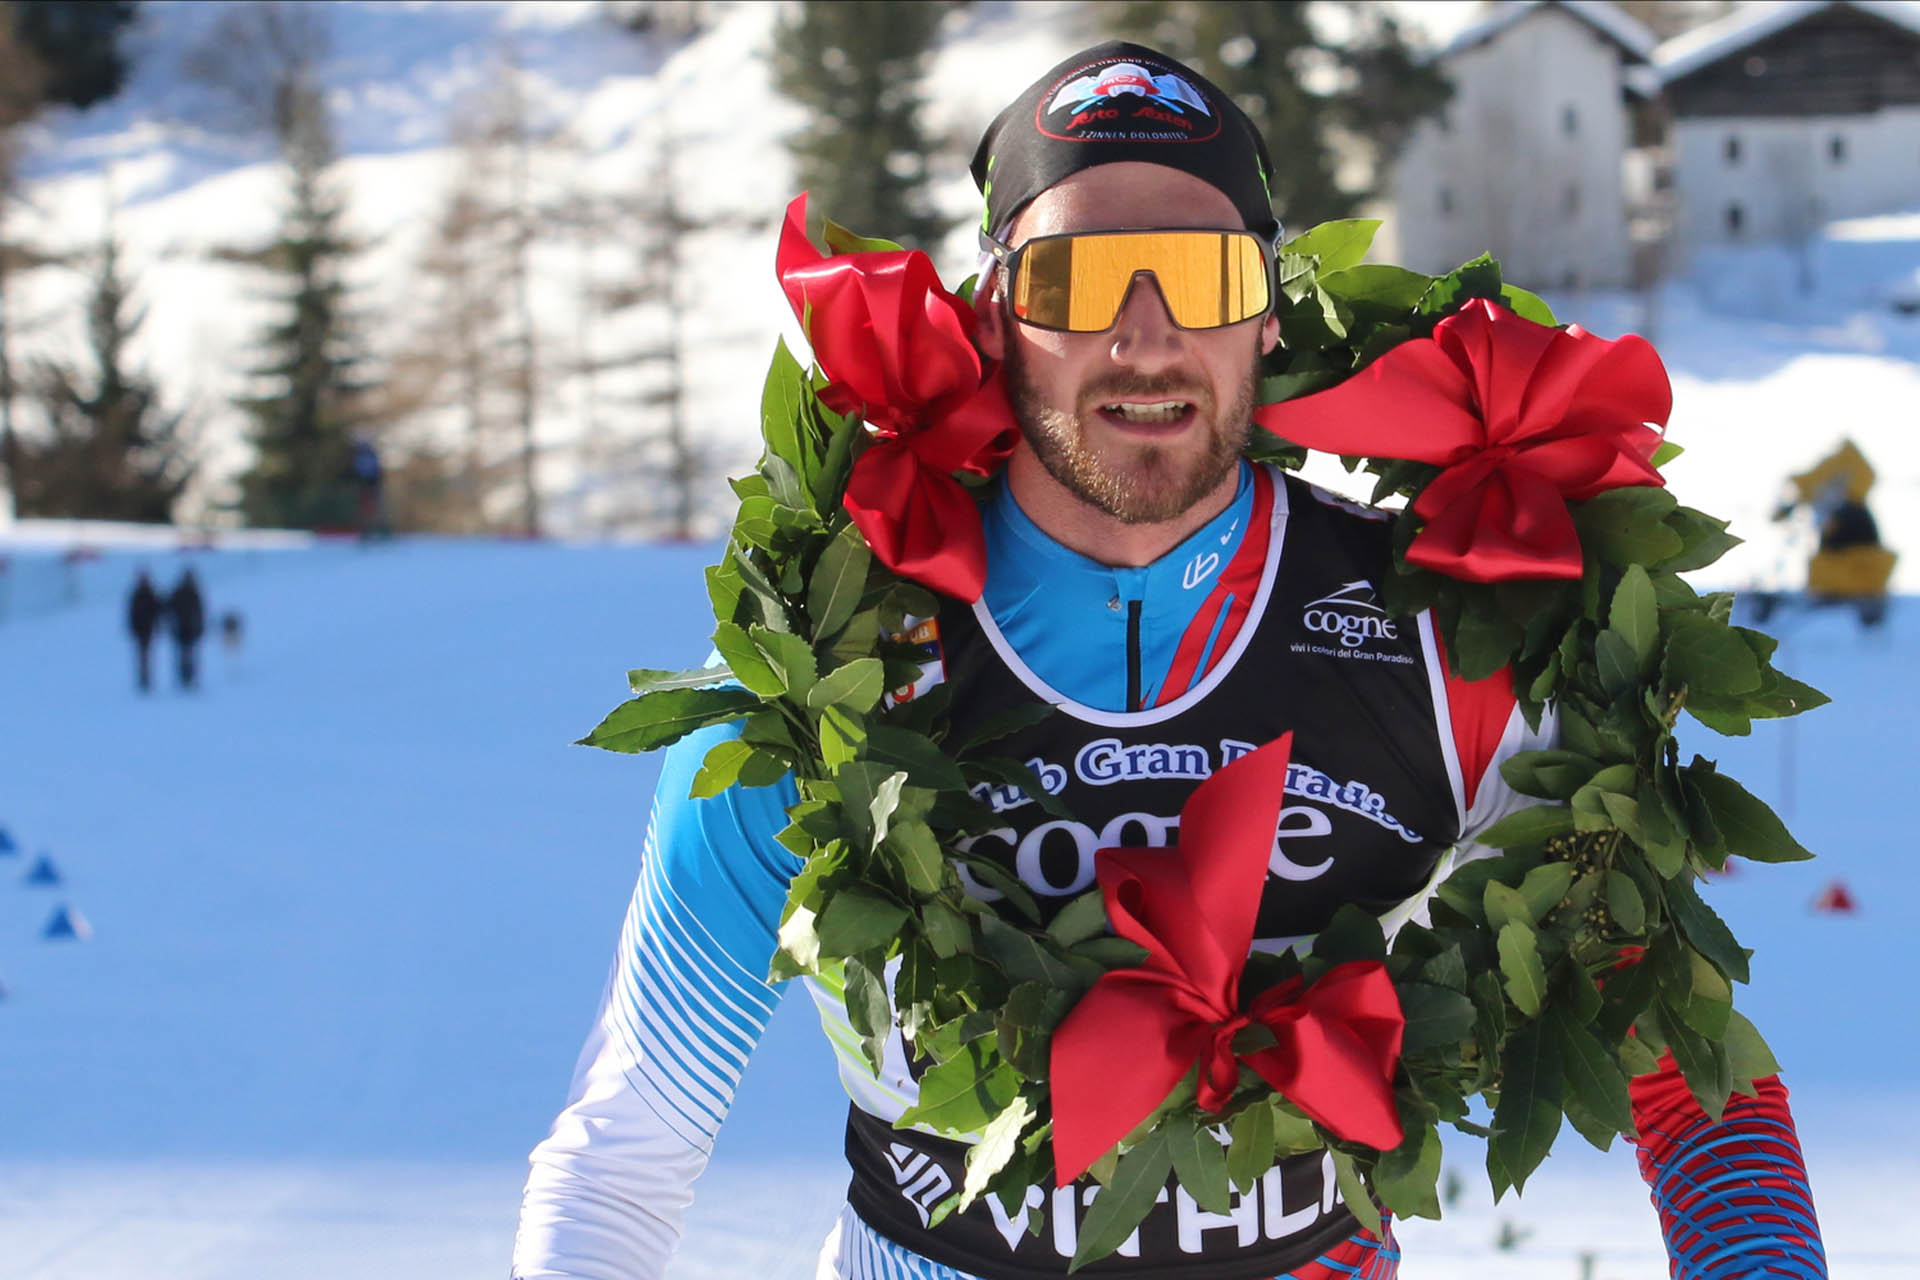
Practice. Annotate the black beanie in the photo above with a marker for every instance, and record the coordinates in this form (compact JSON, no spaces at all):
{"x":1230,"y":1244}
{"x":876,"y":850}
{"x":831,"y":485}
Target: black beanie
{"x":1120,"y":101}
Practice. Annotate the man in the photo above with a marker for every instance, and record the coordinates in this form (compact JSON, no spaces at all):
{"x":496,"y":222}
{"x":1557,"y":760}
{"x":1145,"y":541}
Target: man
{"x":143,"y":618}
{"x":188,"y":612}
{"x":1175,"y":603}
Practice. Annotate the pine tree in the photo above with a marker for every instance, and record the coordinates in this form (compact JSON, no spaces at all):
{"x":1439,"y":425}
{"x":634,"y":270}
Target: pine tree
{"x":78,"y":44}
{"x":304,"y":418}
{"x":113,"y":451}
{"x":1321,"y":102}
{"x":263,"y":60}
{"x":856,"y":66}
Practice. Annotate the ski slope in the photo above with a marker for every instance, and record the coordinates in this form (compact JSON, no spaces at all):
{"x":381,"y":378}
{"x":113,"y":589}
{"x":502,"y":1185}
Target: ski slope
{"x":353,"y":901}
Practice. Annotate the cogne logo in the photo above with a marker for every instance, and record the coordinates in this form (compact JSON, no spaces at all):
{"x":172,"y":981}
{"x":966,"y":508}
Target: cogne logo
{"x":1351,"y":615}
{"x":1124,"y":100}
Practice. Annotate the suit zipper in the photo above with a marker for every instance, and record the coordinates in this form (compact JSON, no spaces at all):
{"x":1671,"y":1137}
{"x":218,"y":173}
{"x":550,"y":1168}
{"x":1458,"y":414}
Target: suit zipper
{"x":1133,"y":655}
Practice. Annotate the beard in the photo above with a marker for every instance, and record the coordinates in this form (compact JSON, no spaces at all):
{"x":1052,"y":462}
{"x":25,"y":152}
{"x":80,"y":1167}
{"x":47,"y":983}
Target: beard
{"x":1141,"y":483}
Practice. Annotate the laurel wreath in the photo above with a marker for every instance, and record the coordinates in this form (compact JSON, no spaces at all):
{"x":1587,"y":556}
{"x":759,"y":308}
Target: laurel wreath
{"x":1515,"y":994}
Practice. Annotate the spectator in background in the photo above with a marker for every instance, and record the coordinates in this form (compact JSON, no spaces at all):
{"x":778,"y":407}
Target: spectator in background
{"x":189,"y":614}
{"x":143,"y":618}
{"x":370,"y":513}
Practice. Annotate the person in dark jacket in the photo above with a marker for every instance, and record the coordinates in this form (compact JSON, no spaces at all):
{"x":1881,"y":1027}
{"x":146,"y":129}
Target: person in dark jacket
{"x":143,"y":618}
{"x":189,"y":614}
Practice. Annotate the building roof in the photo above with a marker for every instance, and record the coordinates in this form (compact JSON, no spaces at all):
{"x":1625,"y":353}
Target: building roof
{"x":1687,"y":53}
{"x":1632,"y":37}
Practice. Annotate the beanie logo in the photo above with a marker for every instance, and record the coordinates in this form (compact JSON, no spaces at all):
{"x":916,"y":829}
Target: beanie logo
{"x":1123,"y":100}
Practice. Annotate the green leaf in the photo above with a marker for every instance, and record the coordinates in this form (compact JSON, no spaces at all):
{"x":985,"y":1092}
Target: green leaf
{"x":1710,"y":658}
{"x":1545,"y":886}
{"x":1002,"y":724}
{"x":1704,"y":1062}
{"x":1747,"y":1054}
{"x":721,"y":768}
{"x":998,"y":1141}
{"x":886,"y":799}
{"x":1624,"y":903}
{"x":1527,"y":1118}
{"x":856,"y":919}
{"x":1122,"y":1204}
{"x":1528,"y":306}
{"x":868,"y":1012}
{"x":1704,"y":930}
{"x":749,"y":666}
{"x":1504,"y":905}
{"x":840,"y":240}
{"x":1526,"y":977}
{"x":946,"y":929}
{"x":1591,"y":1076}
{"x":1023,"y":955}
{"x":1436,"y":1017}
{"x":790,"y":657}
{"x":961,"y":1095}
{"x":1083,"y":918}
{"x":918,"y":852}
{"x":1252,"y":1151}
{"x":1707,"y":1009}
{"x":1531,"y":826}
{"x":644,"y":680}
{"x":1201,"y":1163}
{"x":799,"y":945}
{"x":1635,"y":615}
{"x":839,"y":580}
{"x":1704,"y":539}
{"x":841,"y":734}
{"x":1623,"y":526}
{"x":1377,"y":289}
{"x":1407,"y":1177}
{"x":925,"y":763}
{"x":857,"y":686}
{"x":780,"y":399}
{"x":1353,"y":1189}
{"x":1614,"y":659}
{"x":1549,"y":775}
{"x":1338,"y":244}
{"x":1748,"y":826}
{"x":656,"y":719}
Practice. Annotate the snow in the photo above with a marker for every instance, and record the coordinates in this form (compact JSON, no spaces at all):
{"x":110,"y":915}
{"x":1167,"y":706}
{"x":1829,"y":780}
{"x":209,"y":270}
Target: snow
{"x":352,"y":903}
{"x":1609,"y":20}
{"x":1707,"y":44}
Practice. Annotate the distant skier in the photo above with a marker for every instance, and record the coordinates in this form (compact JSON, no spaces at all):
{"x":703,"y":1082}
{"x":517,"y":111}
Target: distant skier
{"x":143,"y":619}
{"x":189,"y":614}
{"x":370,"y":509}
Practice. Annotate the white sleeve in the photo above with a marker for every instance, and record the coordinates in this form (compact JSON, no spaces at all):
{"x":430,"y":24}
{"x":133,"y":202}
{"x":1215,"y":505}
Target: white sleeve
{"x":687,"y":1001}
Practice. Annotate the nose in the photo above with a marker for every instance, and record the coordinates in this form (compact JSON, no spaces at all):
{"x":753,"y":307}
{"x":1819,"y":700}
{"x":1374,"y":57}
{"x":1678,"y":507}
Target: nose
{"x":1145,"y":336}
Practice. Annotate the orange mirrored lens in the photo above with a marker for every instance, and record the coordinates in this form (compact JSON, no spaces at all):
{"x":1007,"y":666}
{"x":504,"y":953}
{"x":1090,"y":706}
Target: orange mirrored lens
{"x":1079,"y":283}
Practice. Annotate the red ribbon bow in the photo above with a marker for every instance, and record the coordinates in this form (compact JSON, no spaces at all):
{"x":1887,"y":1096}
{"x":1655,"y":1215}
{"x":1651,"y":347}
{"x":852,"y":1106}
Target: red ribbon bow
{"x":1139,"y":1031}
{"x":899,"y":350}
{"x":1523,"y":417}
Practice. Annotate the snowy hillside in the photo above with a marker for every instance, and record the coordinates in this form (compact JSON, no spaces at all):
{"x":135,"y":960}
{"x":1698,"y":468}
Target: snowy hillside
{"x":351,"y":906}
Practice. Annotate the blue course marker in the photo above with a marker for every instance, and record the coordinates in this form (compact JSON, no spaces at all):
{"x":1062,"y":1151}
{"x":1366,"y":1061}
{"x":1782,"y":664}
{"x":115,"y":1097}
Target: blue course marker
{"x":67,"y":923}
{"x":44,"y":872}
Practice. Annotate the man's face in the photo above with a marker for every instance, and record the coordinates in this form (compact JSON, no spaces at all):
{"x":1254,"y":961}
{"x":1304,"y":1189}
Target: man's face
{"x":1145,"y":419}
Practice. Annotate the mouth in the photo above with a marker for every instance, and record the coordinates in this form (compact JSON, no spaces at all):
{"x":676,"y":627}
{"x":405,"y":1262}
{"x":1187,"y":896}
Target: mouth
{"x":1156,"y":416}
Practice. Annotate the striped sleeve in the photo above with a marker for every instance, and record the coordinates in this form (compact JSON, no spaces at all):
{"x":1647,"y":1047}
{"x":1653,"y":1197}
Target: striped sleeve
{"x":1732,"y":1196}
{"x":685,"y":1004}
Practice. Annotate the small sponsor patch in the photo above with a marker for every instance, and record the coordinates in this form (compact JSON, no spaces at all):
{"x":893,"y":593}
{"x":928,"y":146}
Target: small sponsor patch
{"x":1126,"y":100}
{"x":924,"y":635}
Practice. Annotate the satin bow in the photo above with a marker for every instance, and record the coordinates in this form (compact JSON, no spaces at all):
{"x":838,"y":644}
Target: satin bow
{"x":1138,"y":1032}
{"x":899,"y":350}
{"x":1523,"y":418}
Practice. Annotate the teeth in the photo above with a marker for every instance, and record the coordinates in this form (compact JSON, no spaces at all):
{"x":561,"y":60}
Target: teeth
{"x":1158,"y":411}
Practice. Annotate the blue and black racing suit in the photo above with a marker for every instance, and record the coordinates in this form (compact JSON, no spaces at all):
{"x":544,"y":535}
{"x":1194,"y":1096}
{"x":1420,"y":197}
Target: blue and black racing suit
{"x":1265,"y":621}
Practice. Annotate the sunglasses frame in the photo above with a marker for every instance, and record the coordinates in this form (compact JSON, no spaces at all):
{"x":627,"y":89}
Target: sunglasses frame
{"x":1008,"y":257}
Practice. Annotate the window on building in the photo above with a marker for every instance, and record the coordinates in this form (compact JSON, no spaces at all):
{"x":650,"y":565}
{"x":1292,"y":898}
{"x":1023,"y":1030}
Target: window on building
{"x":1837,"y":149}
{"x":1736,"y":219}
{"x":1733,"y":149}
{"x":1446,"y":202}
{"x":1569,"y":120}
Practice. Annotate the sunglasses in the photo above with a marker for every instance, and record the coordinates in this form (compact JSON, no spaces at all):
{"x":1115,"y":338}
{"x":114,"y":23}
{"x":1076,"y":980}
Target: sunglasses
{"x":1078,"y":283}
